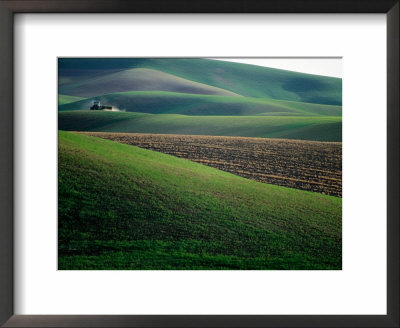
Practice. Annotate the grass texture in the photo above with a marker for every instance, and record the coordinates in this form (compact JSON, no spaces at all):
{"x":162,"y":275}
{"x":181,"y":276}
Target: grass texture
{"x":317,"y":128}
{"x":123,"y":207}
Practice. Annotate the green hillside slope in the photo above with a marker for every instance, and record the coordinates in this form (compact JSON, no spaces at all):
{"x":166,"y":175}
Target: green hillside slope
{"x":157,"y":102}
{"x":319,"y":128}
{"x":122,"y":207}
{"x":243,"y":79}
{"x":64,"y":99}
{"x":139,"y":79}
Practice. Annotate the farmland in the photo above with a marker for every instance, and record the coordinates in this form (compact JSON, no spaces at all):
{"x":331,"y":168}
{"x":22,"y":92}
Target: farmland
{"x":241,"y":79}
{"x":63,"y":99}
{"x":124,"y":207}
{"x":317,"y":128}
{"x":305,"y":165}
{"x":202,"y":164}
{"x":160,"y":102}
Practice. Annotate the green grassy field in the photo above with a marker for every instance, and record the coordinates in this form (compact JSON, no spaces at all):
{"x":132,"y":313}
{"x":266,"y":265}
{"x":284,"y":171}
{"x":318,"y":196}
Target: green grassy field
{"x":158,"y":102}
{"x":318,"y":128}
{"x":64,"y":99}
{"x":123,"y":207}
{"x":140,"y":79}
{"x":81,"y":76}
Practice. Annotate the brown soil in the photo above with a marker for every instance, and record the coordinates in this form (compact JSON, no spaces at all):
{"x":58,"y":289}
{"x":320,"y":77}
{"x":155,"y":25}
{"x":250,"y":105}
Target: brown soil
{"x":305,"y":165}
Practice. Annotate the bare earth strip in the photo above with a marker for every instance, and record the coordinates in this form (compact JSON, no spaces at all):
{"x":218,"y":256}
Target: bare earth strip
{"x":307,"y":165}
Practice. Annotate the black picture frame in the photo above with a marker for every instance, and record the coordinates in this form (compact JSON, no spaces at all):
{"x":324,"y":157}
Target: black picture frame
{"x":10,"y":7}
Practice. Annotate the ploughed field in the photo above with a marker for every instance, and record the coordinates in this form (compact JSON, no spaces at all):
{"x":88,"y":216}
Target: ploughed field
{"x":306,"y":165}
{"x":122,"y":207}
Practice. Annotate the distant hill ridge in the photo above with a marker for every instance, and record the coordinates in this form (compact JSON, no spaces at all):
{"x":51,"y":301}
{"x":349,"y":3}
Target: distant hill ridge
{"x":140,"y":79}
{"x":215,"y":77}
{"x":160,"y":102}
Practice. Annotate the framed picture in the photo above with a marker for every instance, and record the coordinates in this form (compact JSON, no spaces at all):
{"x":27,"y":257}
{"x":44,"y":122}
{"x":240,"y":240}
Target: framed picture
{"x":174,"y":164}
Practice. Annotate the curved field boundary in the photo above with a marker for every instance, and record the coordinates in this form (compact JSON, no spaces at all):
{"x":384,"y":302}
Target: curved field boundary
{"x":317,"y":128}
{"x":305,"y":165}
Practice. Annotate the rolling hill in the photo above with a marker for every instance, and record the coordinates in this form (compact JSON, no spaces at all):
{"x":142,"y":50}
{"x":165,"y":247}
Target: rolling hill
{"x":139,"y":79}
{"x":79,"y":76}
{"x":157,"y":102}
{"x":318,"y":128}
{"x":64,"y":99}
{"x":113,"y":214}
